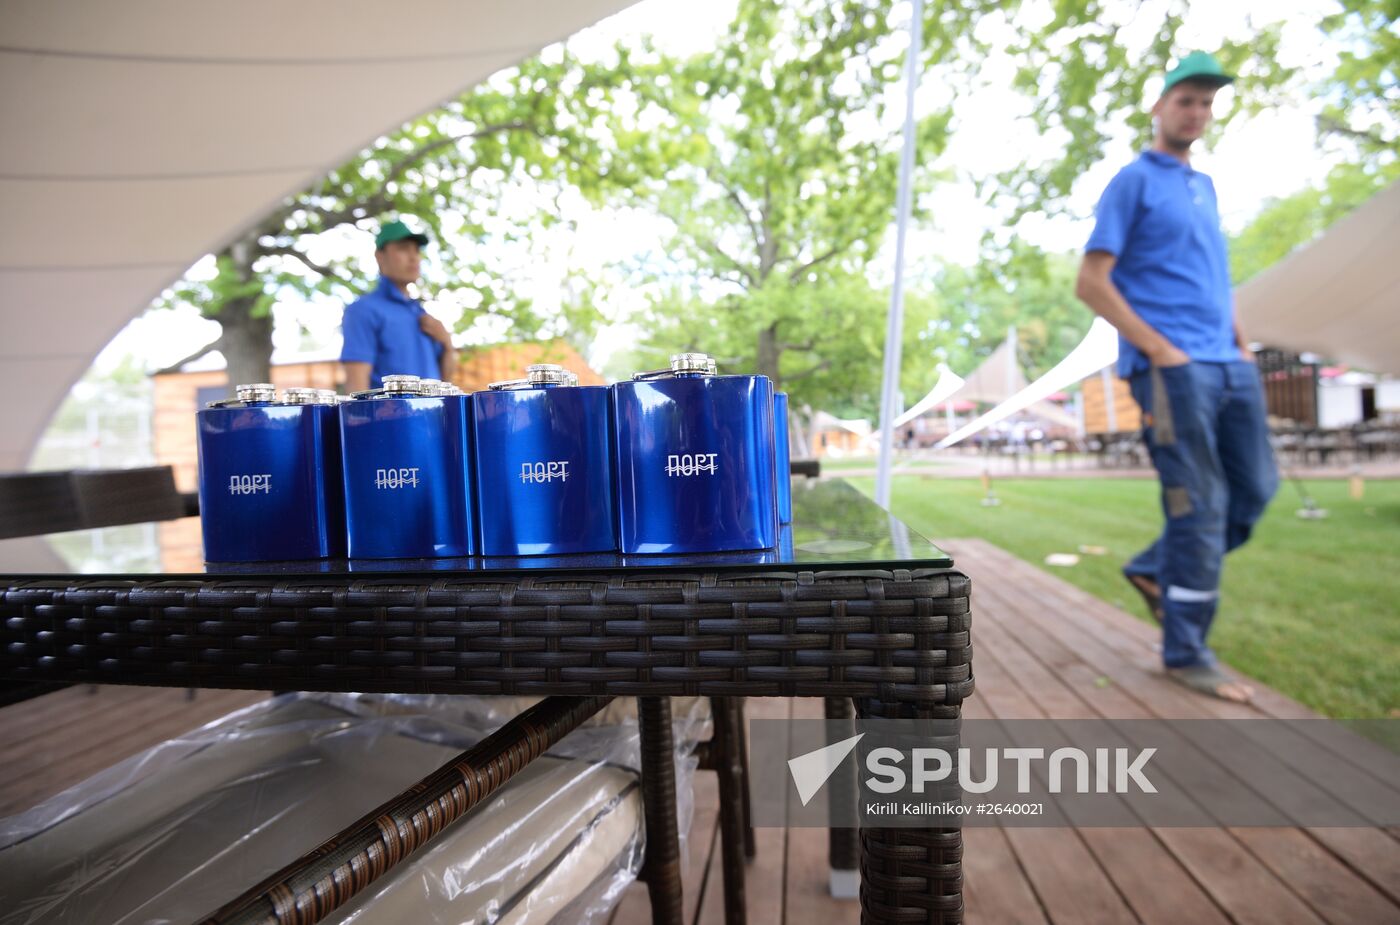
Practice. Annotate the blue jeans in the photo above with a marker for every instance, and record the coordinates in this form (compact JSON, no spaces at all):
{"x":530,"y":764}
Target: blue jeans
{"x":1205,"y":426}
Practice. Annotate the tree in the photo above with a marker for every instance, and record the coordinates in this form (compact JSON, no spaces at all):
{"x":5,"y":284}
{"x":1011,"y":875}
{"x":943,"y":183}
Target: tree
{"x":785,"y":189}
{"x":1363,"y":96}
{"x":1360,"y":116}
{"x":1084,"y":82}
{"x":778,"y":179}
{"x":1289,"y":222}
{"x":980,"y":308}
{"x":531,"y":126}
{"x":831,"y":338}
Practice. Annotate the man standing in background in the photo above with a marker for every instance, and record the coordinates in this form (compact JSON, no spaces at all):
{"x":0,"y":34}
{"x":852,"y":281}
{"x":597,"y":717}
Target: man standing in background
{"x":1156,"y":268}
{"x":387,"y":332}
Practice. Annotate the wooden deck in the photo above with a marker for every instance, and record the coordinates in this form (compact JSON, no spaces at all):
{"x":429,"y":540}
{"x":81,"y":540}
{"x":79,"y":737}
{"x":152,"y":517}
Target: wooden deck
{"x":1043,"y":649}
{"x":57,"y":740}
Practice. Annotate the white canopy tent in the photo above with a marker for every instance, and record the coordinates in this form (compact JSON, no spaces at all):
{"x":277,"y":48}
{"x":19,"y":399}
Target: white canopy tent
{"x":1000,"y":378}
{"x":1098,"y":349}
{"x":1339,"y":296}
{"x":949,"y":384}
{"x":142,"y":135}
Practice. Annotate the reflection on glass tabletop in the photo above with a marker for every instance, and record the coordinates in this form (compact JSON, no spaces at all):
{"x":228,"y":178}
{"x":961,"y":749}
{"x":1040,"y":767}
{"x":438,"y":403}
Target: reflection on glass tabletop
{"x":834,"y":526}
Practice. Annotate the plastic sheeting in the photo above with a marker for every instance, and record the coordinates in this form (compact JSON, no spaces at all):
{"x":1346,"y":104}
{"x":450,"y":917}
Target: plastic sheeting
{"x":173,"y":833}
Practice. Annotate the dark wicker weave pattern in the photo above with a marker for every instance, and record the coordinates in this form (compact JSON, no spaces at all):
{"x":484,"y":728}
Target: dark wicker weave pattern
{"x":911,"y":875}
{"x":899,"y":636}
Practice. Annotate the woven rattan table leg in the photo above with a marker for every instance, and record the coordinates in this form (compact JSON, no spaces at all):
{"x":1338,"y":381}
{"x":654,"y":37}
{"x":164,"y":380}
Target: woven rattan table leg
{"x":910,"y":875}
{"x":843,"y":841}
{"x":732,"y":820}
{"x":661,"y":868}
{"x":750,"y":843}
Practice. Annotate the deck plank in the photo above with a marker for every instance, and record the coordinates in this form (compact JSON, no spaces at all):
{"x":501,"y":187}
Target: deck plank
{"x":996,"y":890}
{"x":1140,"y":868}
{"x":1080,"y":644}
{"x":764,"y":875}
{"x":808,"y":899}
{"x":1150,"y":879}
{"x":1067,"y":877}
{"x":83,"y":730}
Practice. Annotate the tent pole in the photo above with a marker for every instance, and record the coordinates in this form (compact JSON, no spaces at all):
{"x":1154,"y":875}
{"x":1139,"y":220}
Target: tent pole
{"x":894,"y":334}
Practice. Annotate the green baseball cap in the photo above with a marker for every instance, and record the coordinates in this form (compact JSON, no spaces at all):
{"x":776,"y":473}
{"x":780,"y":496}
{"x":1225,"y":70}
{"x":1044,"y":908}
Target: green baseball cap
{"x":398,"y":231}
{"x":1197,"y":66}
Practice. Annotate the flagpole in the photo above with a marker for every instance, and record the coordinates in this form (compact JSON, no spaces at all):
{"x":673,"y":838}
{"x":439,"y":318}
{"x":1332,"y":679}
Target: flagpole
{"x":894,"y":334}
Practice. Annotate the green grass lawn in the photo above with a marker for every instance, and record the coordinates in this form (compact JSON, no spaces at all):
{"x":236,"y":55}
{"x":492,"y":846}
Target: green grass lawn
{"x":1311,"y":608}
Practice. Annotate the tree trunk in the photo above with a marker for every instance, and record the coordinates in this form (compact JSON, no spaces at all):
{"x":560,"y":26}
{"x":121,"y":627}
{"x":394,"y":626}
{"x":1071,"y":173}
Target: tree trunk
{"x":246,"y":342}
{"x":768,"y":353}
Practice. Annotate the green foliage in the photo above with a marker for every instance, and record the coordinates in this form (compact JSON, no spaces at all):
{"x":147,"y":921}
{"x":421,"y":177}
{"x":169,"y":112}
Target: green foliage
{"x":774,"y":161}
{"x":978,"y":307}
{"x":779,"y":181}
{"x":1084,"y":82}
{"x":1362,"y":113}
{"x":530,"y":127}
{"x":1287,"y":223}
{"x":1363,"y":96}
{"x":832,"y":337}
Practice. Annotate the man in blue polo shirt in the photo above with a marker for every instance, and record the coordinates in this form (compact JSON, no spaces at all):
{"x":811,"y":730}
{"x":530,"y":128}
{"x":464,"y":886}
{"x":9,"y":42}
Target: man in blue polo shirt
{"x":1156,"y":268}
{"x":387,"y":332}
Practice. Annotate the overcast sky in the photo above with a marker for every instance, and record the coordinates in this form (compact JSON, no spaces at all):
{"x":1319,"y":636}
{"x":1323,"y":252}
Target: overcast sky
{"x":1267,"y":156}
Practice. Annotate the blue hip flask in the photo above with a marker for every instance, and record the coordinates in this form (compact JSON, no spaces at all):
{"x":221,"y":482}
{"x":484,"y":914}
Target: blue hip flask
{"x":543,"y":466}
{"x":406,"y":458}
{"x":695,"y":460}
{"x":269,"y":476}
{"x":782,"y":468}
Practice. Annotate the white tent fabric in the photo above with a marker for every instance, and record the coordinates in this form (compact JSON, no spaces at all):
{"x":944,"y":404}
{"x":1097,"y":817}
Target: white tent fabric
{"x":825,"y":420}
{"x":998,"y":378}
{"x":1339,"y":296}
{"x":948,"y":385}
{"x":140,"y":135}
{"x":1098,"y":349}
{"x":1051,"y":413}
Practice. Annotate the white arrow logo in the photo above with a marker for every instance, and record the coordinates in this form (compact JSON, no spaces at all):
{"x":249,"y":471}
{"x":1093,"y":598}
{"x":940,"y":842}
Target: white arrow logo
{"x":811,"y":770}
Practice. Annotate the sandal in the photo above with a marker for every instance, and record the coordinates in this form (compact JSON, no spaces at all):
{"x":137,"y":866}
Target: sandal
{"x":1151,"y":594}
{"x":1210,"y":680}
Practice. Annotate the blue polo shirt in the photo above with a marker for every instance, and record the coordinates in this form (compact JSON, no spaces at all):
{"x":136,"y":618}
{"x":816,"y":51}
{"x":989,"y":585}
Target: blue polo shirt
{"x":1159,"y":219}
{"x":381,"y":329}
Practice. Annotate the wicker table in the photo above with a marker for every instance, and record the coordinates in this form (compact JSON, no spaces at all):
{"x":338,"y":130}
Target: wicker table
{"x":881,"y":620}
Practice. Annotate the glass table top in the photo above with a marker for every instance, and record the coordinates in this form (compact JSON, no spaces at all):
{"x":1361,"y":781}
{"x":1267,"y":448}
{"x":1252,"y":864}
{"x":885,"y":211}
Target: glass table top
{"x":834,"y":526}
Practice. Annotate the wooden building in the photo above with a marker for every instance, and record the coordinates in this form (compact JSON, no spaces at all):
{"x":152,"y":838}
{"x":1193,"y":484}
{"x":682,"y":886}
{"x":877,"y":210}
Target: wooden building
{"x":1125,"y":416}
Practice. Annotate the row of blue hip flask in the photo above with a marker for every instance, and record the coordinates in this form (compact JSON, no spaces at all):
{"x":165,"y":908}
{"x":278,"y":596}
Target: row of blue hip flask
{"x":674,"y":461}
